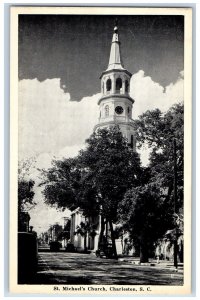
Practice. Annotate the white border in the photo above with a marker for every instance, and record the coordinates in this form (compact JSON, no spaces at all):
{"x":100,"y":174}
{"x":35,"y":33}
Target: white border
{"x":187,"y":92}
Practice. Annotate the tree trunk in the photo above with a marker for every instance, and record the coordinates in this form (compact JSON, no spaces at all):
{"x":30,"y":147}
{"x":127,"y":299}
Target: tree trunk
{"x":113,"y":239}
{"x":144,"y":257}
{"x":85,"y":242}
{"x":101,"y":231}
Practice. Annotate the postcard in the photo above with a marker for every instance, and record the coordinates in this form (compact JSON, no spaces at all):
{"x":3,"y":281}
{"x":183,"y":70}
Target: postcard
{"x":100,"y":150}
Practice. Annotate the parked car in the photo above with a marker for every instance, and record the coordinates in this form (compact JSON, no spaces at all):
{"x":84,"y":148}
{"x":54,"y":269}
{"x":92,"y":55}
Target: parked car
{"x":70,"y":248}
{"x":105,"y":251}
{"x":55,"y":246}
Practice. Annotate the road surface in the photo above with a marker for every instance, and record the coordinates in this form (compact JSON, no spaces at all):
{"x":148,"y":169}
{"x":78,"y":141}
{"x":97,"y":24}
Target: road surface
{"x":76,"y":268}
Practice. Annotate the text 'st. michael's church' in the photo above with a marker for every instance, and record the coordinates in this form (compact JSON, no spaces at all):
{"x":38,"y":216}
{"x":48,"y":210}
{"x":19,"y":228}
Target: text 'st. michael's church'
{"x":115,"y":103}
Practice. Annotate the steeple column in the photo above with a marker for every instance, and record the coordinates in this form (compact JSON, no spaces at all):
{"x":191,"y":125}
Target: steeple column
{"x":123,"y":86}
{"x":113,"y":83}
{"x":102,"y":87}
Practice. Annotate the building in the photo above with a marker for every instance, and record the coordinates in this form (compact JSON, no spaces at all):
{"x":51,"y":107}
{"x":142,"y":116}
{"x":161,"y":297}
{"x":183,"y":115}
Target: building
{"x":115,"y":104}
{"x":115,"y":107}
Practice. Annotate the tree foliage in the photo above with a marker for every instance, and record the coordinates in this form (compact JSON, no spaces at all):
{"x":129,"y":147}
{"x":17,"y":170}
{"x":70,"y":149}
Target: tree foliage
{"x":25,"y":194}
{"x":25,"y":187}
{"x":147,"y":211}
{"x":145,"y":214}
{"x":98,"y":177}
{"x":112,"y":167}
{"x":158,"y":130}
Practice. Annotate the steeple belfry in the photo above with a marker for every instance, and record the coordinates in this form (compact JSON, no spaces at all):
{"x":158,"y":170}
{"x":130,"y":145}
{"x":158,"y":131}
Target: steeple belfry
{"x":115,"y":104}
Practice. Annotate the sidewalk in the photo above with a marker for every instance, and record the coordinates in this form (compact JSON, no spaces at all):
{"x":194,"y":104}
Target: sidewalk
{"x":152,"y":263}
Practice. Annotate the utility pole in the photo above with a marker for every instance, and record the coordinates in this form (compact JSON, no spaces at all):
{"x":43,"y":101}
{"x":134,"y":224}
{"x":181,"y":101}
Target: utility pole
{"x":175,"y":205}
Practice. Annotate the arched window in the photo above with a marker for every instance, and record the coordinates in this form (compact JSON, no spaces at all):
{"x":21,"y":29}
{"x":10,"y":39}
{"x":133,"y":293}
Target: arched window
{"x":106,"y":110}
{"x":108,"y":85}
{"x":126,"y":86}
{"x":131,"y":141}
{"x":118,"y":85}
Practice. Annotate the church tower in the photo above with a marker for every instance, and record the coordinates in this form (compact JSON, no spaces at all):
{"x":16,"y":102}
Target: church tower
{"x":115,"y":104}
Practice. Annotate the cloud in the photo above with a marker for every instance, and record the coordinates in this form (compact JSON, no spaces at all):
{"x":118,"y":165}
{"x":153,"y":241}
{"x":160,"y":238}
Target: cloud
{"x":150,"y":95}
{"x":49,"y":121}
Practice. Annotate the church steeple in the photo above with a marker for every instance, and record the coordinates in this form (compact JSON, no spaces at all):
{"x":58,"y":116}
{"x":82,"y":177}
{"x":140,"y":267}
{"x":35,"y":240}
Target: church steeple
{"x":115,"y":61}
{"x":115,"y":104}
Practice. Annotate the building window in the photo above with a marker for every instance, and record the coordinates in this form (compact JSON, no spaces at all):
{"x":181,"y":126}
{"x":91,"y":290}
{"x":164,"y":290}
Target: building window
{"x":131,"y":141}
{"x":128,"y":110}
{"x":126,"y":86}
{"x":118,"y":85}
{"x":106,"y":110}
{"x":108,"y":85}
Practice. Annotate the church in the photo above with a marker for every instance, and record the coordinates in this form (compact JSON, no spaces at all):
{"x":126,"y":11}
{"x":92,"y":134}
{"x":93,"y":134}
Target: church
{"x":115,"y":108}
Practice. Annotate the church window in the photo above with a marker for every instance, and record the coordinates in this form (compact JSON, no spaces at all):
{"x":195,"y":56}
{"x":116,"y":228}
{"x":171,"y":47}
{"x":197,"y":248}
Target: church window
{"x":126,"y":86}
{"x":128,"y":109}
{"x":106,"y":110}
{"x":108,"y":85}
{"x":131,"y":141}
{"x":118,"y":85}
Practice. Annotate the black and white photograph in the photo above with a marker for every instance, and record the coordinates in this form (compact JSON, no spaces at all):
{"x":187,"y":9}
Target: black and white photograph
{"x":100,"y":150}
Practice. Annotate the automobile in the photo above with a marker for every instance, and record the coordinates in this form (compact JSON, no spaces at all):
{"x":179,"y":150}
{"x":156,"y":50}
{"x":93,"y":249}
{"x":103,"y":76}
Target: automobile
{"x":55,"y":246}
{"x":70,"y":248}
{"x":105,"y":251}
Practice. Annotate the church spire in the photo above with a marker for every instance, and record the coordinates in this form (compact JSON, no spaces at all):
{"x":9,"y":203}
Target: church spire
{"x":115,"y":61}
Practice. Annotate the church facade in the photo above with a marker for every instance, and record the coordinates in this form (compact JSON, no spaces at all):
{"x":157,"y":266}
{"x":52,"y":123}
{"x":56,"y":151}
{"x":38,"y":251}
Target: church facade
{"x":115,"y":108}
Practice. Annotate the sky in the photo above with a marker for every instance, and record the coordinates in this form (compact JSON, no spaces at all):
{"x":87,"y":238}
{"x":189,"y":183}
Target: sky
{"x":60,"y":61}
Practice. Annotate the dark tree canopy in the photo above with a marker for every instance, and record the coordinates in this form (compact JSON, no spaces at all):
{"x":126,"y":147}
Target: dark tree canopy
{"x":113,"y":168}
{"x":158,"y":130}
{"x":144,"y":213}
{"x":147,"y":211}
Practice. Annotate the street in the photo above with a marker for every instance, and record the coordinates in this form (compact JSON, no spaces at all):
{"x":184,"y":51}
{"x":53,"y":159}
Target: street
{"x":77,"y":268}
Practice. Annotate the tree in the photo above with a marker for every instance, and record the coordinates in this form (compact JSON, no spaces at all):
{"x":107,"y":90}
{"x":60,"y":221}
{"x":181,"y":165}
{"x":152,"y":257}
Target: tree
{"x":67,"y":184}
{"x":143,"y":213}
{"x":158,"y":130}
{"x":142,"y":206}
{"x":25,"y":194}
{"x":113,"y":168}
{"x":97,"y":179}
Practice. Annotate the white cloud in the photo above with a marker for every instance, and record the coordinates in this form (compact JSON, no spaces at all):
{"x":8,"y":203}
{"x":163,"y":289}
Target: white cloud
{"x":49,"y":121}
{"x":150,"y":95}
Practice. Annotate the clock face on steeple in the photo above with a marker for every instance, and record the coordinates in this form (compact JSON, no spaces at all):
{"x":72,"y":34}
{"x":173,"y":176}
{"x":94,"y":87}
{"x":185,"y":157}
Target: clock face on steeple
{"x":119,"y":110}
